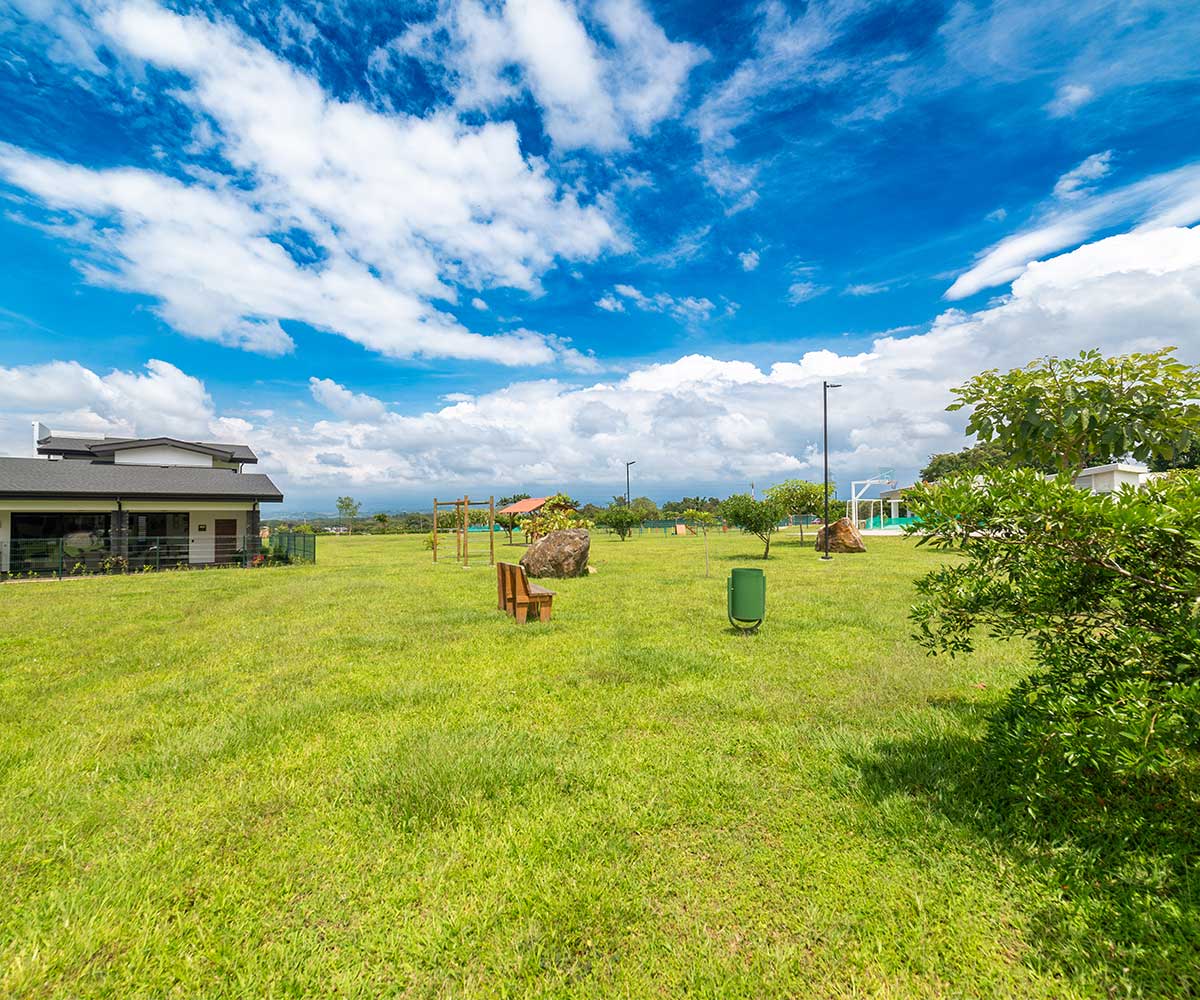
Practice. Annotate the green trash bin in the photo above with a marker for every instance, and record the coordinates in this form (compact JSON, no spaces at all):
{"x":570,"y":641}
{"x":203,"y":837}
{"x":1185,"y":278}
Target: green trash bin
{"x":747,"y":598}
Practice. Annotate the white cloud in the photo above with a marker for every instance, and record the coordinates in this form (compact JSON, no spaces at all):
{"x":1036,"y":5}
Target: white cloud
{"x":69,"y":39}
{"x":343,"y":402}
{"x":706,"y":419}
{"x":596,"y":90}
{"x":687,"y":246}
{"x":1069,"y":99}
{"x":867,"y":288}
{"x":351,"y":244}
{"x":479,"y":304}
{"x":689,"y":309}
{"x":1080,"y":181}
{"x":67,"y":396}
{"x":748,"y":259}
{"x":803,"y":291}
{"x":1166,"y":199}
{"x":697,"y":419}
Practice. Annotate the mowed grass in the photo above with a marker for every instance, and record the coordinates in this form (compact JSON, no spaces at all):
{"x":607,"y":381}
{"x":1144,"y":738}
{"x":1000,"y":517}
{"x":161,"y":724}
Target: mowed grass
{"x":360,"y":779}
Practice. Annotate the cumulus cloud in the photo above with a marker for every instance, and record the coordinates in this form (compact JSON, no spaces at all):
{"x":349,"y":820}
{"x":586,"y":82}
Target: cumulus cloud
{"x":748,"y":259}
{"x":161,"y":399}
{"x":696,"y":419}
{"x":596,"y":88}
{"x":343,"y":402}
{"x":313,"y":230}
{"x":702,"y":418}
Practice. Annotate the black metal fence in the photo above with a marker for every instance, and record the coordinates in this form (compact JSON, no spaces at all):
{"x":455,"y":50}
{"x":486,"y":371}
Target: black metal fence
{"x":89,"y":554}
{"x":296,"y":546}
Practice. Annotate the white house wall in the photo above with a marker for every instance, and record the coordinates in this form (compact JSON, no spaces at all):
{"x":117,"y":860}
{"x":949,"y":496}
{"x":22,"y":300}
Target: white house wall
{"x":162,"y":454}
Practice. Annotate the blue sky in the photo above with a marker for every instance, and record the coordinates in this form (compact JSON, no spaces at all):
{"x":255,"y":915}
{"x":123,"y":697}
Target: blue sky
{"x":431,"y":247}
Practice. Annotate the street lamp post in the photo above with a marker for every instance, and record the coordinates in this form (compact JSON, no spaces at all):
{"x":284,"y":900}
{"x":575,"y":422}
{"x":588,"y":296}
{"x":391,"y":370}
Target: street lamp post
{"x":627,"y":465}
{"x":825,"y":387}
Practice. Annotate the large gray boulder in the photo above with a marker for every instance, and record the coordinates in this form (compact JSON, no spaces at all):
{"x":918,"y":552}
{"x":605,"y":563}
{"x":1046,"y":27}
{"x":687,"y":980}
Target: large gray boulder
{"x":843,"y":537}
{"x":560,"y":553}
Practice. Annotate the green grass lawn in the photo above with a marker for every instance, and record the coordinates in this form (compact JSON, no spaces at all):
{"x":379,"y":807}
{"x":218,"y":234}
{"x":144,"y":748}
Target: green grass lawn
{"x":360,"y":779}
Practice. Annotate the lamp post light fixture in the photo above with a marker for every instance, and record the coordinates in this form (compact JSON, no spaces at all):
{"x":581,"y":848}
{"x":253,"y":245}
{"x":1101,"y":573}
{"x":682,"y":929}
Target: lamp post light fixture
{"x":627,"y":465}
{"x":825,"y":387}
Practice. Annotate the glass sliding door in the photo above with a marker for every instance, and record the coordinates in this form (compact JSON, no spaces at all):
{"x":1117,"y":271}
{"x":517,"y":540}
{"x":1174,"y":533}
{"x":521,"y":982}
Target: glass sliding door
{"x":158,"y":539}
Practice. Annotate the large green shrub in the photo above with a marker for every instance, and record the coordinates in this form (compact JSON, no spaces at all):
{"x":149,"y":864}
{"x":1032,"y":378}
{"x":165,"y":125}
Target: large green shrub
{"x":1104,"y":588}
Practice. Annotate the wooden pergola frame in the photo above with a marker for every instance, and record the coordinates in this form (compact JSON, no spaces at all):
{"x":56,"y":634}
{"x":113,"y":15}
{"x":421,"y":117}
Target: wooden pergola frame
{"x":462,"y":523}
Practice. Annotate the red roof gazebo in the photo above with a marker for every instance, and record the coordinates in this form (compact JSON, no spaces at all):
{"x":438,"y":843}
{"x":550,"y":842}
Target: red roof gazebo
{"x":527,"y":506}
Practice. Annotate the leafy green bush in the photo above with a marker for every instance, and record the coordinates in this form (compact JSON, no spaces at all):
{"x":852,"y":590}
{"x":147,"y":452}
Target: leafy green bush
{"x":1106,"y":589}
{"x":759,"y":517}
{"x":620,"y":518}
{"x":556,"y":514}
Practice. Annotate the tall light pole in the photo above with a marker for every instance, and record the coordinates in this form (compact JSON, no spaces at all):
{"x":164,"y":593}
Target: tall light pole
{"x":627,"y":465}
{"x":825,"y":387}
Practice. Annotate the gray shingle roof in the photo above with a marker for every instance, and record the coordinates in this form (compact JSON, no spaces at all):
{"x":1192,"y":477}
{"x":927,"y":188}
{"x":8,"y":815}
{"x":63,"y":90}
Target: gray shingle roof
{"x":56,"y":444}
{"x":41,"y":477}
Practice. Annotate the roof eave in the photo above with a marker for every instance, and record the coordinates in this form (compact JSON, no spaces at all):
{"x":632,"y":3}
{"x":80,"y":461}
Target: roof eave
{"x":124,"y":495}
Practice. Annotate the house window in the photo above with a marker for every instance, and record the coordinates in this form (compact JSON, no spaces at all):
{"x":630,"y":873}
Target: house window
{"x":174,"y":526}
{"x":86,"y":531}
{"x":35,"y":540}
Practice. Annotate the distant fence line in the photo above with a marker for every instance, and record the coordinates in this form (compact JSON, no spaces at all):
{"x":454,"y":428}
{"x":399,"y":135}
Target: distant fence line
{"x":295,"y":545}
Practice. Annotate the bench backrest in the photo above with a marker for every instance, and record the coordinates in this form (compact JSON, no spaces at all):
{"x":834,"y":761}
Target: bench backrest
{"x":515,"y":582}
{"x":520,"y":582}
{"x":509,"y":575}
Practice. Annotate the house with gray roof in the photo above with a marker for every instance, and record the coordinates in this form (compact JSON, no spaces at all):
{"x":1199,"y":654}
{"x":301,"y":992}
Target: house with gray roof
{"x":88,"y":501}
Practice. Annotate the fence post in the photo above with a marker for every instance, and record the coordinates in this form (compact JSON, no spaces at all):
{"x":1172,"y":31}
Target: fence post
{"x":158,"y":556}
{"x":60,"y":557}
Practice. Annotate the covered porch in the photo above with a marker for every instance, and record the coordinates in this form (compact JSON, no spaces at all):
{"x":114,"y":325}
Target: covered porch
{"x":80,"y":537}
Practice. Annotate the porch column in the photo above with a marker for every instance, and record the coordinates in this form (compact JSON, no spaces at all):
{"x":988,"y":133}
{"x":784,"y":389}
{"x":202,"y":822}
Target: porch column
{"x":895,"y":508}
{"x":118,"y":531}
{"x":253,"y":526}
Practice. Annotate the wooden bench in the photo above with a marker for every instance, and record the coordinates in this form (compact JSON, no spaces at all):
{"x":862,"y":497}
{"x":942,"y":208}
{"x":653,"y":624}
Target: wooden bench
{"x":516,"y":595}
